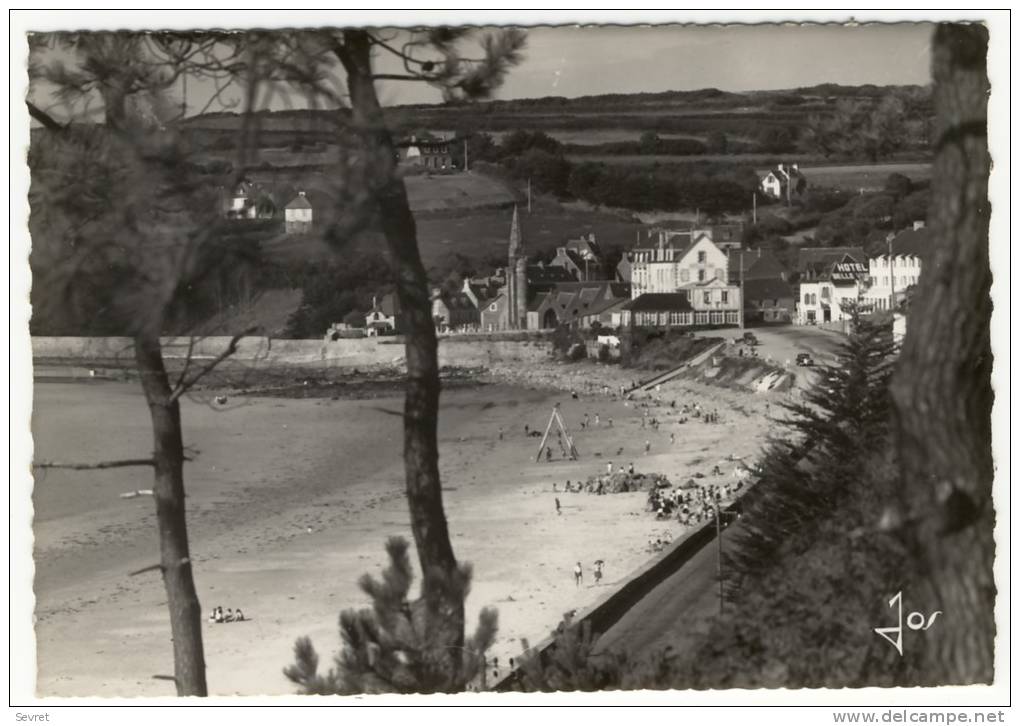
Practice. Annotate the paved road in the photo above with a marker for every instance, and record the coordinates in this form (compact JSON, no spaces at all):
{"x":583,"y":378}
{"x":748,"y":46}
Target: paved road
{"x":676,"y":613}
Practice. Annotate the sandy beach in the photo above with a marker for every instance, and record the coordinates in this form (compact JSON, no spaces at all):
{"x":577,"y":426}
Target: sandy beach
{"x":290,"y":502}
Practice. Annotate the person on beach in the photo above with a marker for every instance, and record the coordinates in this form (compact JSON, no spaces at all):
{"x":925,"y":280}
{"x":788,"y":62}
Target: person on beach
{"x":578,"y":575}
{"x":648,"y":446}
{"x":596,"y":419}
{"x":558,"y":506}
{"x":598,"y":571}
{"x":238,"y":616}
{"x":630,"y":468}
{"x":230,"y":616}
{"x":548,"y":453}
{"x":212,"y":616}
{"x":609,"y":468}
{"x":500,"y":433}
{"x":219,"y":614}
{"x":527,"y":430}
{"x":609,"y":422}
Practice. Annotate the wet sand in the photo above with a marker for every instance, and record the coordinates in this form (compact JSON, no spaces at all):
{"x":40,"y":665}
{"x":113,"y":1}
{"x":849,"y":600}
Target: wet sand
{"x":291,"y":501}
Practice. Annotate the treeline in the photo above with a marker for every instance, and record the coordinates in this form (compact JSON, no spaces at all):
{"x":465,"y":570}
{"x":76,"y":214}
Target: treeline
{"x":840,"y":219}
{"x":537,"y":157}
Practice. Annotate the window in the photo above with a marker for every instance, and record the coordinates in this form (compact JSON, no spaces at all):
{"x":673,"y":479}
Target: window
{"x":701,"y":318}
{"x":702,"y":256}
{"x":807,"y":299}
{"x":701,"y":275}
{"x":732,"y":317}
{"x":685,"y":275}
{"x":724,"y":296}
{"x":493,"y":307}
{"x":718,"y":317}
{"x":707,"y":298}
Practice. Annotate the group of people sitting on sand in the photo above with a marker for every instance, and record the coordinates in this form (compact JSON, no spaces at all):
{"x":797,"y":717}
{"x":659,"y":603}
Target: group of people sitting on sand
{"x":231,"y":616}
{"x":690,"y":507}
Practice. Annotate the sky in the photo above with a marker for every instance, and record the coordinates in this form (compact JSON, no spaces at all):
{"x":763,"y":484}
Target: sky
{"x":592,"y":60}
{"x":577,"y":61}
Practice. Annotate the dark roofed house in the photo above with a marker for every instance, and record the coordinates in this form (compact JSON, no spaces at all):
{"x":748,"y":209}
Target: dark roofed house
{"x":385,"y":315}
{"x":758,"y":264}
{"x":453,"y":310}
{"x":914,"y":243}
{"x":768,"y":301}
{"x":298,"y":214}
{"x":578,"y":304}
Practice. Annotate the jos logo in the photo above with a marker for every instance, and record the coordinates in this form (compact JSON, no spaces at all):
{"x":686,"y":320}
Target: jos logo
{"x":915,"y":621}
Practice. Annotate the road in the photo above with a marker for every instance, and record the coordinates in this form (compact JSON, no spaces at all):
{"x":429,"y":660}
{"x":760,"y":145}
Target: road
{"x":677,"y":613}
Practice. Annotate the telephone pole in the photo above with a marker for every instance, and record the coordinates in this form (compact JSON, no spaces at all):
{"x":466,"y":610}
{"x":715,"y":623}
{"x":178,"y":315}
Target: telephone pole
{"x":892,"y":280}
{"x":754,"y":207}
{"x":741,"y":301}
{"x":529,"y":195}
{"x":465,"y":154}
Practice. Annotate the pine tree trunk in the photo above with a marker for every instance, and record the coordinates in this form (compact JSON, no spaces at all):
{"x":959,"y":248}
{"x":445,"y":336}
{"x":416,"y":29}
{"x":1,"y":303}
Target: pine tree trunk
{"x":421,"y":408}
{"x":942,"y":387}
{"x":175,"y":559}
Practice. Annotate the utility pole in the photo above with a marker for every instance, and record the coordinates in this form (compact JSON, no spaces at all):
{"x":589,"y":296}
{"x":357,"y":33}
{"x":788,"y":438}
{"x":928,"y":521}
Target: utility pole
{"x":754,"y":207}
{"x":741,"y":301}
{"x":465,"y":155}
{"x":718,"y":559}
{"x":892,"y":281}
{"x":529,"y":195}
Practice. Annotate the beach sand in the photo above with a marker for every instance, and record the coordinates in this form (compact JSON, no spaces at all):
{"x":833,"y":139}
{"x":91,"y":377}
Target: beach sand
{"x":290,"y":501}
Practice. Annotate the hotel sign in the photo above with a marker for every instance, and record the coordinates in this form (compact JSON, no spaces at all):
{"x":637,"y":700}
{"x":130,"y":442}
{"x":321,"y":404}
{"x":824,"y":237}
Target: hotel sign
{"x":848,"y":272}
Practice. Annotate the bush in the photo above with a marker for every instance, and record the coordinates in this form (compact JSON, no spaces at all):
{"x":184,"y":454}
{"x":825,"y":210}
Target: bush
{"x":393,"y":647}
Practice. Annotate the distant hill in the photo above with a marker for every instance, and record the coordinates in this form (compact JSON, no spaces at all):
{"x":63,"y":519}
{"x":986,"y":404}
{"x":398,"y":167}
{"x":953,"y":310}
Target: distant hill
{"x":672,"y":112}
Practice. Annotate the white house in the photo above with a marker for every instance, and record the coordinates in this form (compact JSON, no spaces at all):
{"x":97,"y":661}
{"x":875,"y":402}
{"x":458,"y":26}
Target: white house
{"x":298,"y":214}
{"x":676,"y":261}
{"x":250,"y":201}
{"x":780,"y":182}
{"x":690,"y":264}
{"x":893,"y":275}
{"x":830,"y":297}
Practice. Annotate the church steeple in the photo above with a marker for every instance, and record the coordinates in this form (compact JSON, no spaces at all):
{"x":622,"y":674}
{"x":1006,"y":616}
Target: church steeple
{"x":516,"y":244}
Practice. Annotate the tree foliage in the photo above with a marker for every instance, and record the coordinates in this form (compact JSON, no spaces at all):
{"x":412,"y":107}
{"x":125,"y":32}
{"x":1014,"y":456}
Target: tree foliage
{"x":396,"y":646}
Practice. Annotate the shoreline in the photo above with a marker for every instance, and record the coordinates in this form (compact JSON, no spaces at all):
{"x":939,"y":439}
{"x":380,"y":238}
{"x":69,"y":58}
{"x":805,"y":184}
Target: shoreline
{"x":285,"y":516}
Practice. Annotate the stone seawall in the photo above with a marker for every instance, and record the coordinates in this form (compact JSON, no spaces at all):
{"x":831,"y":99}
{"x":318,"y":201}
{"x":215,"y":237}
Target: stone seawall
{"x":257,"y":350}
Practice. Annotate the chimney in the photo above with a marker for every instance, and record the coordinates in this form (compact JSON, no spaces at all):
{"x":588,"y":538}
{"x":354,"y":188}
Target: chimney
{"x":795,"y":167}
{"x":300,"y":194}
{"x":591,"y":237}
{"x":918,"y":224}
{"x":781,"y":168}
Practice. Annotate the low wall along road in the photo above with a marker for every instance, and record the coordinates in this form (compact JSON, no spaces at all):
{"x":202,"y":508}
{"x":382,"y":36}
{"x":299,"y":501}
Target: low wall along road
{"x":257,"y":350}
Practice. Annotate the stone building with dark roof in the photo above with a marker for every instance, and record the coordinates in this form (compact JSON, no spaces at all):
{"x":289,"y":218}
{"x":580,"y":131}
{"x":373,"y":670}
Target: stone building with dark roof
{"x":768,"y":301}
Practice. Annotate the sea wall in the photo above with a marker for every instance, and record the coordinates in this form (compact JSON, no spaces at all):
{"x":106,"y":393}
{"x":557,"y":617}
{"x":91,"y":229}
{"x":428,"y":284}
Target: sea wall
{"x":343,"y":353}
{"x":610,"y":608}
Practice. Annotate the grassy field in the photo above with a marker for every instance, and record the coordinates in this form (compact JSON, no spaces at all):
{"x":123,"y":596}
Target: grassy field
{"x":479,"y":235}
{"x":649,"y":159}
{"x":854,"y":177}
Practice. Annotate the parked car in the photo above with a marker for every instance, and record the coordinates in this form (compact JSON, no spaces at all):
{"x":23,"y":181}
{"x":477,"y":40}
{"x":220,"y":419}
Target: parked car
{"x":805,"y":359}
{"x":750,"y":339}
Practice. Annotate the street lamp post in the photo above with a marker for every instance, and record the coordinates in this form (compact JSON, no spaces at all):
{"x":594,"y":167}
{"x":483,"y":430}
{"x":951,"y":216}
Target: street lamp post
{"x":719,"y":551}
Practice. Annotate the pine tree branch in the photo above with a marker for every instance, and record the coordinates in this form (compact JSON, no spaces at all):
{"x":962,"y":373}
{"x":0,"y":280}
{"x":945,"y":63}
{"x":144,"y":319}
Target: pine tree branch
{"x":186,"y":383}
{"x":117,"y":464}
{"x":44,"y":118}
